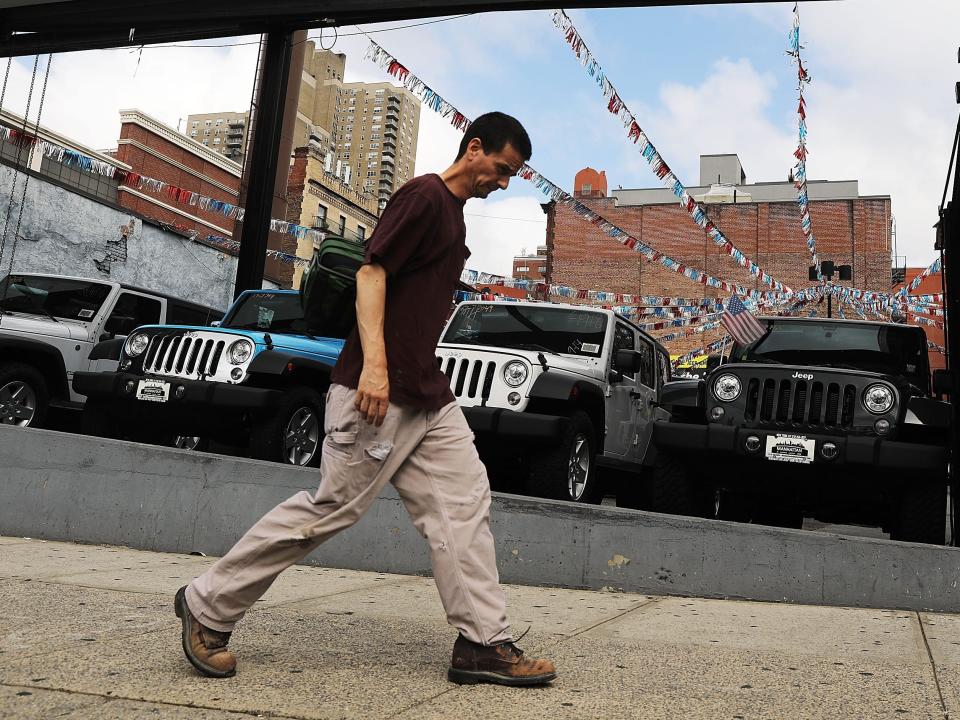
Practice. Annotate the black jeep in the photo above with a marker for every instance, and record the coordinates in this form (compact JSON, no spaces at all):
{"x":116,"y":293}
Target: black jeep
{"x":832,"y":419}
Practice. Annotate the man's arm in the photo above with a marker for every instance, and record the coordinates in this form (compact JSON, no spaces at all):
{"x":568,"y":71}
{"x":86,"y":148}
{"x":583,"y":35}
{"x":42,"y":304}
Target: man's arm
{"x":373,"y":390}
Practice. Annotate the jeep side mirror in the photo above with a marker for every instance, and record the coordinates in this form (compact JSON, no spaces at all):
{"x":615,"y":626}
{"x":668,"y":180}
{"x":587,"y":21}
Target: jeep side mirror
{"x":942,"y":382}
{"x":628,"y":361}
{"x":120,"y":325}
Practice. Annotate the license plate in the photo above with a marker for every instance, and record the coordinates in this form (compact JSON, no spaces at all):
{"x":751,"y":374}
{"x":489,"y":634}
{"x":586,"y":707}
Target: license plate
{"x":153,"y":390}
{"x":790,"y":448}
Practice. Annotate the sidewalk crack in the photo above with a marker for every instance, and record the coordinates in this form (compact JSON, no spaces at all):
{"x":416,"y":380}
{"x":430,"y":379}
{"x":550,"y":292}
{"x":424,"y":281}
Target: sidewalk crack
{"x":933,"y":667}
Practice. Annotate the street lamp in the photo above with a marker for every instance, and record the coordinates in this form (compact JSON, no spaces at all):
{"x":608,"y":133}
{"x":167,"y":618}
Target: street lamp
{"x":827,"y":270}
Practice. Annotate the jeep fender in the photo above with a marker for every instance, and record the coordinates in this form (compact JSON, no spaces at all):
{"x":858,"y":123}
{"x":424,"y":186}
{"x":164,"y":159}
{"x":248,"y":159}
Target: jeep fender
{"x":929,"y":412}
{"x":108,"y":349}
{"x":275,"y":363}
{"x":45,"y":358}
{"x":682,"y":394}
{"x":556,"y":393}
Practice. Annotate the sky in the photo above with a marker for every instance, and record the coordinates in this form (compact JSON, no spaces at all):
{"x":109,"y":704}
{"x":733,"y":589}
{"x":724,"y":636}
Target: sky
{"x":699,"y":80}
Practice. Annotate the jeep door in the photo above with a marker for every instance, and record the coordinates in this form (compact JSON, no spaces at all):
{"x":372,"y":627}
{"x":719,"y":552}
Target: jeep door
{"x":619,"y":403}
{"x":644,"y":396}
{"x":130,"y":311}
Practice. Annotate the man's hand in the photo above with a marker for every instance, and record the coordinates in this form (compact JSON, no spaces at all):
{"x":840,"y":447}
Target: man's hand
{"x":373,"y":393}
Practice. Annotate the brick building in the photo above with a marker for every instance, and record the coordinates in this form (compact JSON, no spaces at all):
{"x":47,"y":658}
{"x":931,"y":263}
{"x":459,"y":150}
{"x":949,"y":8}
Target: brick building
{"x":930,"y":285}
{"x":155,"y":150}
{"x":761,"y":219}
{"x":319,"y":199}
{"x":531,"y":267}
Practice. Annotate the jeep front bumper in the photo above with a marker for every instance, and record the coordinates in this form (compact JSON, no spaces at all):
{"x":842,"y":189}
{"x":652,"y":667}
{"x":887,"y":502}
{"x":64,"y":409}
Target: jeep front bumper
{"x":510,"y":424}
{"x":851,"y":450}
{"x":201,"y":405}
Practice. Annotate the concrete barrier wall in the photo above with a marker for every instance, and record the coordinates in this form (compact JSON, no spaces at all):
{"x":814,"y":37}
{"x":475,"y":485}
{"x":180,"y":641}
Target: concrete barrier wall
{"x":60,"y":486}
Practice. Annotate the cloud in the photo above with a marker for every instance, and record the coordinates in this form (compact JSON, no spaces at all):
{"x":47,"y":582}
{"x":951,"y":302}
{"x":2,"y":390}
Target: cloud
{"x":497,"y":230}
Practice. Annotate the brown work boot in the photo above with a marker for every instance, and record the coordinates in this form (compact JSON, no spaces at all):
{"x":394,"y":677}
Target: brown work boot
{"x":205,"y":648}
{"x":503,"y":664}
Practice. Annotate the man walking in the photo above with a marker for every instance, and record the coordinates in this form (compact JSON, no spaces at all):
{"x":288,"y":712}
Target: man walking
{"x":390,"y":417}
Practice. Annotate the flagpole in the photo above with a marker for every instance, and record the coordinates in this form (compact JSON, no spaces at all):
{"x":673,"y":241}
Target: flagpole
{"x":723,"y":348}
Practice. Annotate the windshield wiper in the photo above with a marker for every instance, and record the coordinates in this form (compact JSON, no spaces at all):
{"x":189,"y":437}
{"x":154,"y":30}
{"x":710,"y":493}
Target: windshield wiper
{"x":40,"y":311}
{"x":534,"y":346}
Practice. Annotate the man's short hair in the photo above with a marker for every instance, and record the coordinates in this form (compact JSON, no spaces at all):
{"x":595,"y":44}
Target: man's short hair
{"x":495,"y":130}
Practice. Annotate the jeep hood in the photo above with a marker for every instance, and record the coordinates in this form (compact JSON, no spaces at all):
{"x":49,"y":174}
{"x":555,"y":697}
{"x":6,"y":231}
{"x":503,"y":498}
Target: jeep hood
{"x":299,"y":343}
{"x":586,"y":366}
{"x":41,"y":325}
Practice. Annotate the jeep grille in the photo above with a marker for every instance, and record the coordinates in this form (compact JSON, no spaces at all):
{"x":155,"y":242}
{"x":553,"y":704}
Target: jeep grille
{"x":801,"y":402}
{"x":469,"y":378}
{"x":180,"y":355}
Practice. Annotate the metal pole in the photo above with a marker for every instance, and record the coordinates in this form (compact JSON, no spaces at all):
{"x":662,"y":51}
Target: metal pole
{"x":262,"y":149}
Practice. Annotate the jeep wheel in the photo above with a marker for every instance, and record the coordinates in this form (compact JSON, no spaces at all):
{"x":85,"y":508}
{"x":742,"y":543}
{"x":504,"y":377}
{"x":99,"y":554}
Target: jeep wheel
{"x":190,"y":442}
{"x":567,"y":471}
{"x":293,"y":435}
{"x":23,"y":396}
{"x":672,"y":489}
{"x":922,"y":514}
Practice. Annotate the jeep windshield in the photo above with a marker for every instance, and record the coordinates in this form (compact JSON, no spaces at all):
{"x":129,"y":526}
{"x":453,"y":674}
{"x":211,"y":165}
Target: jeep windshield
{"x":268,"y":312}
{"x":887,"y":349}
{"x":53,"y":297}
{"x":529,"y":327}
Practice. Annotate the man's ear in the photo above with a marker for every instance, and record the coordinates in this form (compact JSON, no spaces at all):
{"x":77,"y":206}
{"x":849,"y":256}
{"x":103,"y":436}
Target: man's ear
{"x":474,"y":146}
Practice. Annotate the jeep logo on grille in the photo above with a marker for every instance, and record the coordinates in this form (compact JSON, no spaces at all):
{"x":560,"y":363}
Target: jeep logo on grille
{"x":803,"y":376}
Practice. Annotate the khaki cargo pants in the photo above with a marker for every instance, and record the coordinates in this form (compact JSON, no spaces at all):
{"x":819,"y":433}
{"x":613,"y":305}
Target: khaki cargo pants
{"x":430,"y":458}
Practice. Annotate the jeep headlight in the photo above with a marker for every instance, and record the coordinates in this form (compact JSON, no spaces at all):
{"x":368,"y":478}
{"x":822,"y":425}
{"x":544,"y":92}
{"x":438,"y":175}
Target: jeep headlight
{"x":727,"y":387}
{"x":878,"y":399}
{"x":514,"y":373}
{"x":239,"y":352}
{"x":136,"y":344}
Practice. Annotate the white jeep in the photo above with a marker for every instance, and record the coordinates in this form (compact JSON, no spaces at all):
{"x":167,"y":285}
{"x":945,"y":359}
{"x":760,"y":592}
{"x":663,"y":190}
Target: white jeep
{"x":555,"y":392}
{"x":50,"y":325}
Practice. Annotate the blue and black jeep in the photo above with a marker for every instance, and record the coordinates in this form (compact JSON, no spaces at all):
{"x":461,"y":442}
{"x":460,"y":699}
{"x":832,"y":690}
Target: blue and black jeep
{"x":257,"y":378}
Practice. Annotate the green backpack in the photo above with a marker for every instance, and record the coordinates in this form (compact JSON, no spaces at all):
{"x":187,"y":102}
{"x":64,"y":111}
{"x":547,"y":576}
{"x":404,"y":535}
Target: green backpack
{"x":328,"y":288}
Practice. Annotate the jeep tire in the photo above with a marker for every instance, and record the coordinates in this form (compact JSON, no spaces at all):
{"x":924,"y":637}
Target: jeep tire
{"x":24,"y":397}
{"x":921,"y":513}
{"x":567,"y":471}
{"x":293,"y":434}
{"x":672,"y":489}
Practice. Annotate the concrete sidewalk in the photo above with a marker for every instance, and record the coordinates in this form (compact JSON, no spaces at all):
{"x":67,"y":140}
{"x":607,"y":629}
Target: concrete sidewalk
{"x":89,"y":632}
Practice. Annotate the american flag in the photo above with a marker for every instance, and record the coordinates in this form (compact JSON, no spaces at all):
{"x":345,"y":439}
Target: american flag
{"x":740,"y":324}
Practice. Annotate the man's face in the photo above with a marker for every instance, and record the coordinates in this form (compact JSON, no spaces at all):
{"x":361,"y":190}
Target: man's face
{"x":492,"y":171}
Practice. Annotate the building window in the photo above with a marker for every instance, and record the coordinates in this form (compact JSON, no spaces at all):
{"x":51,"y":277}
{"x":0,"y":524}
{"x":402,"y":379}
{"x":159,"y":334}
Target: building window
{"x":321,"y":216}
{"x":370,"y":173}
{"x":586,"y":189}
{"x":523,"y":268}
{"x":361,"y":233}
{"x":216,"y":141}
{"x":219,"y":122}
{"x":343,"y":225}
{"x":207,"y":123}
{"x":542,"y":269}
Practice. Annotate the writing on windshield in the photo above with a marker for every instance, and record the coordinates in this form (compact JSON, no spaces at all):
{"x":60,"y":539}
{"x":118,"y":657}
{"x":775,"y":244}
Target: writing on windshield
{"x":529,"y":327}
{"x":268,"y":312}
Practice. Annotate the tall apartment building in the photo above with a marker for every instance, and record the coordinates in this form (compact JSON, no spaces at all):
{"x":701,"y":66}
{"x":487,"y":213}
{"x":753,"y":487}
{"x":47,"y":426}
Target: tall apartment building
{"x":373,"y":126}
{"x":222,"y":132}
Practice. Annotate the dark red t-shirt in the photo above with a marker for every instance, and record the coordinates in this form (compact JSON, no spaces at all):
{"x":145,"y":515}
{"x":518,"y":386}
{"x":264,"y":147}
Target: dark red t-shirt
{"x":419,"y":241}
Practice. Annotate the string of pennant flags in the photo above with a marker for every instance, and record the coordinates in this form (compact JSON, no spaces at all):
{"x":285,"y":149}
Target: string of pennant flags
{"x":380,"y":57}
{"x":639,"y":138}
{"x":706,"y":350}
{"x":72,"y":158}
{"x":433,"y":100}
{"x":799,"y":171}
